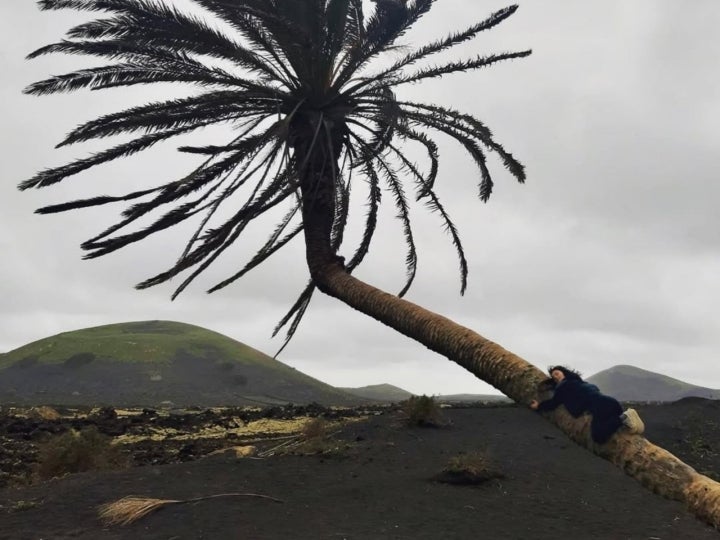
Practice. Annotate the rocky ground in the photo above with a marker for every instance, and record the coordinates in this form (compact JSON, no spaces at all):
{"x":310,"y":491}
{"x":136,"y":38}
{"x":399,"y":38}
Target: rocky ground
{"x":154,"y":437}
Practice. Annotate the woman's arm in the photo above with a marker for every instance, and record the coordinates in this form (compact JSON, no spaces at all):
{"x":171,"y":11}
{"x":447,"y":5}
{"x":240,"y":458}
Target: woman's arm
{"x":549,"y":404}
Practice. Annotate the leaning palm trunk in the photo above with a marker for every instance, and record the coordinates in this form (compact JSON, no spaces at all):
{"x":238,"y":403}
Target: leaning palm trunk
{"x":655,"y":468}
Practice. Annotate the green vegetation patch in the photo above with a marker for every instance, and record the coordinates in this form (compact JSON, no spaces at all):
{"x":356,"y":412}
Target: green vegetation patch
{"x":144,"y":341}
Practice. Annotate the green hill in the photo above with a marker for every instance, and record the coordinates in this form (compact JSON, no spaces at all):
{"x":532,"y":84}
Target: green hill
{"x":150,"y":362}
{"x":628,"y":383}
{"x":146,"y":341}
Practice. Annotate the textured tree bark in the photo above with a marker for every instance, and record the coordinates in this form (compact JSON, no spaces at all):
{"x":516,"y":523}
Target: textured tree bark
{"x":653,"y":467}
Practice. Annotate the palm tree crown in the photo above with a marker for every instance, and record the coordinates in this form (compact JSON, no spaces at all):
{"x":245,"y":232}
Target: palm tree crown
{"x":293,"y":78}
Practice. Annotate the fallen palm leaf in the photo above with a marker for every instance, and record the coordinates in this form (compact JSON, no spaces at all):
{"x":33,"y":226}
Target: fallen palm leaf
{"x":129,"y":509}
{"x":284,"y":446}
{"x":294,"y":442}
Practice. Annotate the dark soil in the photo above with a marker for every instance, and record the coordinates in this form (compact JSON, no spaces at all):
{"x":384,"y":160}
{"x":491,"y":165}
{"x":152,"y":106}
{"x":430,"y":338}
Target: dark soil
{"x":374,"y":479}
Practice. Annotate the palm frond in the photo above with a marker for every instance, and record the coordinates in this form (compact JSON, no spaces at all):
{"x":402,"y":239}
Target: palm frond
{"x":467,"y":141}
{"x":200,"y":178}
{"x":86,"y":5}
{"x":336,"y":19}
{"x":436,"y":47}
{"x":431,"y":150}
{"x":219,"y":240}
{"x":216,"y":241}
{"x":342,"y":204}
{"x":403,"y":215}
{"x":387,"y":23}
{"x":373,"y":203}
{"x":472,"y":127}
{"x":203,"y":176}
{"x":94,"y":201}
{"x":432,"y":202}
{"x":295,"y":313}
{"x":207,"y":108}
{"x":153,"y":58}
{"x":355,"y":26}
{"x":157,"y":24}
{"x":455,"y":67}
{"x":385,"y":113}
{"x":57,"y":174}
{"x":171,"y":193}
{"x":246,"y":173}
{"x":107,"y":76}
{"x":271,"y":246}
{"x":256,"y":34}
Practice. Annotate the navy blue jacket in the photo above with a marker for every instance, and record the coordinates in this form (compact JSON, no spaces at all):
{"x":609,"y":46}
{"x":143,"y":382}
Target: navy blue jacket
{"x":577,"y":396}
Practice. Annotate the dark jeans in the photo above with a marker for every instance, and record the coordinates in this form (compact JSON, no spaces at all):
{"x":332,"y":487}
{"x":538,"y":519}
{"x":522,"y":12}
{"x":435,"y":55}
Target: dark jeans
{"x":606,"y":419}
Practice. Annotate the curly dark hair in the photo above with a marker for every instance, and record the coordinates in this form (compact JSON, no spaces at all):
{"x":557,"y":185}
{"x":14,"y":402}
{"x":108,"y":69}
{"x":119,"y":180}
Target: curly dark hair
{"x":570,"y":374}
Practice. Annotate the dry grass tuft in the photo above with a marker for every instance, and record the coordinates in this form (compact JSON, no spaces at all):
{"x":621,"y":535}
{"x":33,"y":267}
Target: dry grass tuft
{"x":131,"y":508}
{"x":43,"y":412}
{"x":471,"y":468}
{"x":315,"y":428}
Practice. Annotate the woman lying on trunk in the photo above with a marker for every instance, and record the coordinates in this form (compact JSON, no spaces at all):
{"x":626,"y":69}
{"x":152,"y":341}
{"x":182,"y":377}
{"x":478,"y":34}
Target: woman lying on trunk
{"x":580,"y":397}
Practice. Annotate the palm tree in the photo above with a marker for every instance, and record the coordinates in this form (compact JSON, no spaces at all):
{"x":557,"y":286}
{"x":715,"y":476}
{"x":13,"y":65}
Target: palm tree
{"x":314,"y":111}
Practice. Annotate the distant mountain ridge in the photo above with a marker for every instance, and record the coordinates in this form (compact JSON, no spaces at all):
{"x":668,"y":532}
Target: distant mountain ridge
{"x":624,"y":382}
{"x":385,"y":393}
{"x":148,"y":363}
{"x":629,"y":383}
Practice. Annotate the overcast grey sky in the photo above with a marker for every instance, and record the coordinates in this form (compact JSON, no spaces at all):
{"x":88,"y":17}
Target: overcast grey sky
{"x":610,"y":254}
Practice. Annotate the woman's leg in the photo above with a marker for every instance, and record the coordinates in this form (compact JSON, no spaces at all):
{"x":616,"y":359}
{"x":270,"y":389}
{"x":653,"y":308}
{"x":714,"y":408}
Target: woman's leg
{"x":606,"y":419}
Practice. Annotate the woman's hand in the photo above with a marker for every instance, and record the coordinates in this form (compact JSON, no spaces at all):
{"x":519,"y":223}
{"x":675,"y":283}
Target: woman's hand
{"x":534,"y":404}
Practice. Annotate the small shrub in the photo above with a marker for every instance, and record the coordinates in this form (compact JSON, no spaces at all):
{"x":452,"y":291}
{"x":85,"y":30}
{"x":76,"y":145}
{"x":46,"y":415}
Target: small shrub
{"x":422,"y":411}
{"x":75,"y":451}
{"x":471,"y":468}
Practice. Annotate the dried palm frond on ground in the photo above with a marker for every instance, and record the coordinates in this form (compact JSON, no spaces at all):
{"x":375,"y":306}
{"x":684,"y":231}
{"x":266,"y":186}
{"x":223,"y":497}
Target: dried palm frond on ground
{"x":315,"y":437}
{"x":129,"y":509}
